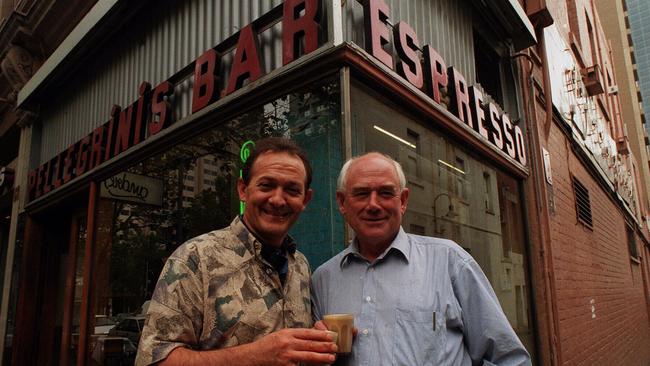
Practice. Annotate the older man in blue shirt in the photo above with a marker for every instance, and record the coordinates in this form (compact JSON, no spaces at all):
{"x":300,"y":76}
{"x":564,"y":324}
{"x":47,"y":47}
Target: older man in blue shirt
{"x":416,"y":300}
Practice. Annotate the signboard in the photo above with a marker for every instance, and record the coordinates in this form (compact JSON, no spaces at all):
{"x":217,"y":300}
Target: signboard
{"x":581,"y":112}
{"x":424,"y":68}
{"x":152,"y":111}
{"x":135,"y":188}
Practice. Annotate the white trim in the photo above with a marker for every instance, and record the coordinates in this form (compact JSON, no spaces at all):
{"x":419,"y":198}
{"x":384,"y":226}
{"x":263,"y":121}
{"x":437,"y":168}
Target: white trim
{"x":335,"y":20}
{"x":524,"y":18}
{"x":71,"y":42}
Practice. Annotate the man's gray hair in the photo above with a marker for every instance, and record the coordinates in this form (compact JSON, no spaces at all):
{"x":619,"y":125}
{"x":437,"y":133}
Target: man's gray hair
{"x":343,"y":175}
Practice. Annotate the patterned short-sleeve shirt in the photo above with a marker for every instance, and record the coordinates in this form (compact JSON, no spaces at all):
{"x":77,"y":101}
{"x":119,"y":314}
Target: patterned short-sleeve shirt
{"x":216,"y":291}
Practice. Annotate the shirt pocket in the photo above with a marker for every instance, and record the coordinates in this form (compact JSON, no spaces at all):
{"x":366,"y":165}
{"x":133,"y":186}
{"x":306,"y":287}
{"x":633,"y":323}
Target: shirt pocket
{"x":417,"y":342}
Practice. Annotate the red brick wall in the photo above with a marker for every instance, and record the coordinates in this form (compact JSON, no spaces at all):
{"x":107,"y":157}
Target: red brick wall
{"x":594,"y":265}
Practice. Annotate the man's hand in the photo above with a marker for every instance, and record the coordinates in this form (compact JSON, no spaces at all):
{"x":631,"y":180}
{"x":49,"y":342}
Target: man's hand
{"x":321,"y":326}
{"x":292,"y":346}
{"x":287,"y":347}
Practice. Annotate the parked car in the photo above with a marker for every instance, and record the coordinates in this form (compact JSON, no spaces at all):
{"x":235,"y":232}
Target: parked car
{"x":129,"y":327}
{"x":103,"y":324}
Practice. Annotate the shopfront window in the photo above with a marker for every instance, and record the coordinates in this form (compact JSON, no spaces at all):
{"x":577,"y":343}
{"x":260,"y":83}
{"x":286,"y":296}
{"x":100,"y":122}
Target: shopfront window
{"x":145,"y":212}
{"x":454,"y":195}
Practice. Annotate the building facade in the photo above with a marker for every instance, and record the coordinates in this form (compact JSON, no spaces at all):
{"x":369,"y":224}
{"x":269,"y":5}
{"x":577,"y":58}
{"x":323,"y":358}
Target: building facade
{"x":141,"y":119}
{"x":29,"y":32}
{"x":616,"y":25}
{"x":638,"y":15}
{"x":587,"y":189}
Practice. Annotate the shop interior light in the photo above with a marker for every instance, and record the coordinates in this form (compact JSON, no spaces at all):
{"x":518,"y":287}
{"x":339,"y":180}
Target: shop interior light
{"x":393,"y":136}
{"x":450,"y":166}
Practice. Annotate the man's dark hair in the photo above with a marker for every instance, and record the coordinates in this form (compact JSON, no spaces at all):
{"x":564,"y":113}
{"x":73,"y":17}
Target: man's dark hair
{"x":276,"y":144}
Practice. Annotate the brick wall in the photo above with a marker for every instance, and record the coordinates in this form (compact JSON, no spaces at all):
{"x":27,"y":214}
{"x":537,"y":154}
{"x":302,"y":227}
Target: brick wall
{"x":593,"y":268}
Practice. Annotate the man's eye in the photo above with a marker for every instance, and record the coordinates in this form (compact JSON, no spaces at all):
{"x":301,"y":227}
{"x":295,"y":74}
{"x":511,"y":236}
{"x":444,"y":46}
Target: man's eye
{"x":361,"y":194}
{"x":387,"y":193}
{"x":264,"y":185}
{"x":294,"y":191}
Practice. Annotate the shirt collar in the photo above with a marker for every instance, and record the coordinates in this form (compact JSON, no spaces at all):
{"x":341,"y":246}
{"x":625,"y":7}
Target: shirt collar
{"x":400,"y":245}
{"x":252,"y":243}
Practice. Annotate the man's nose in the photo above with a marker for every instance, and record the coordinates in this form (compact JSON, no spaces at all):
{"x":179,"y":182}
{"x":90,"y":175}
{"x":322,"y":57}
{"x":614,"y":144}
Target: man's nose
{"x":373,"y":201}
{"x":277,"y":197}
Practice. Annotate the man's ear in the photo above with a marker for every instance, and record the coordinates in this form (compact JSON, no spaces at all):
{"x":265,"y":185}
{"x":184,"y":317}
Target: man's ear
{"x":340,"y":199}
{"x":404,"y":197}
{"x":308,"y":196}
{"x":241,"y":189}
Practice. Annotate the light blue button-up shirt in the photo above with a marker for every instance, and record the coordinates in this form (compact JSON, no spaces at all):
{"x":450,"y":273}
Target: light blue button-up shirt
{"x":424,"y":301}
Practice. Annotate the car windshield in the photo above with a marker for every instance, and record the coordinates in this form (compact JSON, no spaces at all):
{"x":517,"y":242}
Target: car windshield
{"x":103,"y":321}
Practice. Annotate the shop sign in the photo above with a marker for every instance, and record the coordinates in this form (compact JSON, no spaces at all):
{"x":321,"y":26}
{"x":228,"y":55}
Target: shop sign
{"x":583,"y":114}
{"x":152,"y":111}
{"x":133,"y":188}
{"x":432,"y":75}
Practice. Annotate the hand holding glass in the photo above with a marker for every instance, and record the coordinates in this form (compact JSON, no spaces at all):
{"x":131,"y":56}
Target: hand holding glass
{"x":342,"y":324}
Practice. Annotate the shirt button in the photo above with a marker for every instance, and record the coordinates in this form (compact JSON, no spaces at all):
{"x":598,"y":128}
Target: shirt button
{"x":368,"y":298}
{"x":365,"y":332}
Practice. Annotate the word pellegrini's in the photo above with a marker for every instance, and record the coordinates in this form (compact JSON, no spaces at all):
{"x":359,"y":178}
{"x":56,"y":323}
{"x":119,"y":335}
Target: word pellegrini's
{"x":467,"y":103}
{"x":152,"y":111}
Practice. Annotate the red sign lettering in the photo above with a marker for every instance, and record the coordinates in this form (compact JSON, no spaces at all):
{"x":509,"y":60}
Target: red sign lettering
{"x":493,"y":117}
{"x":406,"y":44}
{"x":299,"y":30}
{"x":466,"y":103}
{"x":143,"y":111}
{"x":521,"y":150}
{"x":152,"y":111}
{"x":97,"y":141}
{"x":68,"y":163}
{"x":31,"y":182}
{"x":435,"y":71}
{"x":57,"y":169}
{"x":460,"y":96}
{"x":205,"y":80}
{"x":123,"y":135}
{"x":83,"y":156}
{"x":375,"y":14}
{"x":246,"y":64}
{"x":161,"y":108}
{"x":507,"y":133}
{"x":478,"y":114}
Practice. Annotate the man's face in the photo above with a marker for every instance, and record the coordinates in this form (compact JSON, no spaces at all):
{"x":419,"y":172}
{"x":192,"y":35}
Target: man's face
{"x":275,"y":195}
{"x":372,"y":202}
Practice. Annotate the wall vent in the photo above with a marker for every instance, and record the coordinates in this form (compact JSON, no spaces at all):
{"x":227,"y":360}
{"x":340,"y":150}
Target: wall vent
{"x":583,"y":204}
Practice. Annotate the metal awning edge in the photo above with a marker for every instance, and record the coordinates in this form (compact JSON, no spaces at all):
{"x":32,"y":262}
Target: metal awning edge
{"x":527,"y":25}
{"x":68,"y":47}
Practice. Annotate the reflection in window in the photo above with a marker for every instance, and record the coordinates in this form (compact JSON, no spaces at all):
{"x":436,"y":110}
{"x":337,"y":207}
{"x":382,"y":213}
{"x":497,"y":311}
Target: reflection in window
{"x":198,"y":180}
{"x":455,"y":196}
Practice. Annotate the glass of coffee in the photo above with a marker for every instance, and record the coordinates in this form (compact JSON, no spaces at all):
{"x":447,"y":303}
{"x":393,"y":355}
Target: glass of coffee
{"x":341,"y":324}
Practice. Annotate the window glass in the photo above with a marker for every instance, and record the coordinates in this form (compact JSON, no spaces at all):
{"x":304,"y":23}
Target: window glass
{"x":453,"y":195}
{"x":148,"y":210}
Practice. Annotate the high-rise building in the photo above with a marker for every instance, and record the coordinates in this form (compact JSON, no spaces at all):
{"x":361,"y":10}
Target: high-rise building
{"x":615,"y":20}
{"x":638,"y":14}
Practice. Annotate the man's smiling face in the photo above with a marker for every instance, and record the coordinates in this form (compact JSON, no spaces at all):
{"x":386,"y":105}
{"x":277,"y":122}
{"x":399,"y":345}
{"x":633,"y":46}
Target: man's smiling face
{"x":372,"y":201}
{"x":275,"y":195}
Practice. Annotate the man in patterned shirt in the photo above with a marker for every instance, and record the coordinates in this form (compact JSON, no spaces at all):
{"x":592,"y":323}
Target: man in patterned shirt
{"x":240,"y":295}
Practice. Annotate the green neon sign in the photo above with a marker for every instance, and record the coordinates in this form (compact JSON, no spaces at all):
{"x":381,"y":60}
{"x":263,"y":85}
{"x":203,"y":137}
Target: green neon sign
{"x":244,"y":152}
